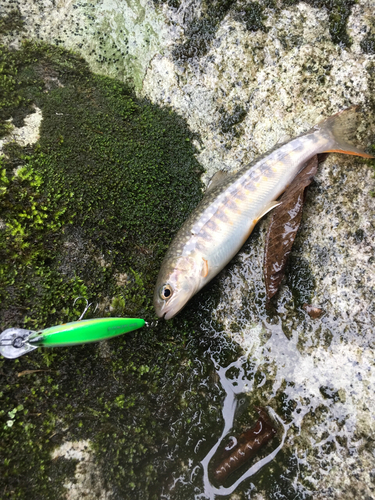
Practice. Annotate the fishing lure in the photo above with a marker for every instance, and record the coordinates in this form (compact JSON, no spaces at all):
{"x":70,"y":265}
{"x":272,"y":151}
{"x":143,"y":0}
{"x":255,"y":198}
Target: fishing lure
{"x":14,"y":342}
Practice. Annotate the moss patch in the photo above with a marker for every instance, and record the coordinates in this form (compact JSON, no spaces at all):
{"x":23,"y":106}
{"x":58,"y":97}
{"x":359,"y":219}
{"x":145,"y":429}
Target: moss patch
{"x":97,"y":198}
{"x":300,"y":280}
{"x":10,"y":22}
{"x":368,"y":44}
{"x":140,"y":403}
{"x":339,"y":12}
{"x":252,"y":15}
{"x":171,"y":3}
{"x":228,"y":121}
{"x":202,"y":30}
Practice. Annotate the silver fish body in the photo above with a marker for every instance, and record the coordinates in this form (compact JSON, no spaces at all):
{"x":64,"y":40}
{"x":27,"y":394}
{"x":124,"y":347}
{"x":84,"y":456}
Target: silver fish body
{"x":224,"y":219}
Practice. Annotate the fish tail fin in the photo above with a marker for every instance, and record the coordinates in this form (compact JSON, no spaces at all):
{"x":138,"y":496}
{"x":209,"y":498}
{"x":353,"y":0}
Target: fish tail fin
{"x":341,"y":128}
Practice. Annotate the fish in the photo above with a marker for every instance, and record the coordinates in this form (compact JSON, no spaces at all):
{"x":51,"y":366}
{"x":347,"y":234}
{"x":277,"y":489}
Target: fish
{"x":246,"y":446}
{"x":234,"y":203}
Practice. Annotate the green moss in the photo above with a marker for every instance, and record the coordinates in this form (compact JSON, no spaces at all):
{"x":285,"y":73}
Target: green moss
{"x":230,"y":120}
{"x":252,"y":15}
{"x":109,"y":181}
{"x":202,"y":30}
{"x":339,"y":12}
{"x":10,"y":97}
{"x":10,"y":22}
{"x":171,"y":3}
{"x":329,"y":393}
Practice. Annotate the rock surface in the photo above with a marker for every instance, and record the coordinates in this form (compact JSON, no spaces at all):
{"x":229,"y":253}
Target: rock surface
{"x":28,"y":134}
{"x":87,"y":483}
{"x":248,"y":90}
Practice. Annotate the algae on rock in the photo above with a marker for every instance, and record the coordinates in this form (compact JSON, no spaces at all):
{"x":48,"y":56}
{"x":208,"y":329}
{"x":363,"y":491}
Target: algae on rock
{"x":97,"y":197}
{"x":108,"y":164}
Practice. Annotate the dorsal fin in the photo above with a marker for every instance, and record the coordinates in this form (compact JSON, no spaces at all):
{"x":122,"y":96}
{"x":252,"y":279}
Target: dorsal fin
{"x":218,"y":178}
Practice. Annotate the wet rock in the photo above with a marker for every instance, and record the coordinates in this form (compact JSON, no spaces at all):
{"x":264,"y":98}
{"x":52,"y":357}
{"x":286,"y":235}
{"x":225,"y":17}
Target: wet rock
{"x":246,"y":91}
{"x":313,"y":311}
{"x":87,"y":482}
{"x":26,"y":135}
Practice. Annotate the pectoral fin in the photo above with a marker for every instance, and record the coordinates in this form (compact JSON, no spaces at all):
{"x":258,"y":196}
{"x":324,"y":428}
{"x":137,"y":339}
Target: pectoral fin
{"x":267,"y":208}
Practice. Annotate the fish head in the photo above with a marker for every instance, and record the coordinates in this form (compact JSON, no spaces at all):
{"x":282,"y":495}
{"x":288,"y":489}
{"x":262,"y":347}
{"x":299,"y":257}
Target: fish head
{"x":177,"y":282}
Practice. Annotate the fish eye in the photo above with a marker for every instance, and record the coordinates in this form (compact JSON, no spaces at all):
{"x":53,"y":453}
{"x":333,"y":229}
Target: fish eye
{"x":166,"y":292}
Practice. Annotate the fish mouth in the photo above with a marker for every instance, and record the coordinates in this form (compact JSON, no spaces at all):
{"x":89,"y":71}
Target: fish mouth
{"x":172,"y":307}
{"x":170,"y":312}
{"x":168,"y":315}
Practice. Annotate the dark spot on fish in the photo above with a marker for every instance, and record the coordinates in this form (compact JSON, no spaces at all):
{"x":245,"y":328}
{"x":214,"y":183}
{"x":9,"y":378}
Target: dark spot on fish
{"x":240,"y":195}
{"x":230,"y":203}
{"x":204,"y":235}
{"x":268,"y":172}
{"x":250,"y":186}
{"x":211,"y":224}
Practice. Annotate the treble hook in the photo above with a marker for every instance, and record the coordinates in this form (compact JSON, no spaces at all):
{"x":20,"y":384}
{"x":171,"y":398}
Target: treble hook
{"x":87,"y":306}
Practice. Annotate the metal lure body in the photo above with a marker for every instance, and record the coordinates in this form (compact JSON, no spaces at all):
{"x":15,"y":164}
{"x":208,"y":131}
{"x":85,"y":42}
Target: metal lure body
{"x":15,"y":342}
{"x":222,"y":222}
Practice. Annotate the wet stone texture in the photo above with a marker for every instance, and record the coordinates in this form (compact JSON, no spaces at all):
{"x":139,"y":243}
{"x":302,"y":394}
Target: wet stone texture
{"x":324,"y":368}
{"x":285,"y":78}
{"x":245,"y":80}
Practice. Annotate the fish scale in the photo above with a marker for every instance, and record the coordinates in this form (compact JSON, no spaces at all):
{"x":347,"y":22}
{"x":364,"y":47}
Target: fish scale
{"x":224,"y":219}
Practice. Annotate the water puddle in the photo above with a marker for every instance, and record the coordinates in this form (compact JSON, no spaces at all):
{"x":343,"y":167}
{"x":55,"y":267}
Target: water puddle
{"x":234,"y":389}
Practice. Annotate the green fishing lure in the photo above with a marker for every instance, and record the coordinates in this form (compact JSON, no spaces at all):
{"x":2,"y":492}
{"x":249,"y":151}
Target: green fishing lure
{"x":14,"y":342}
